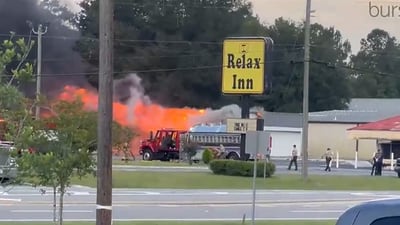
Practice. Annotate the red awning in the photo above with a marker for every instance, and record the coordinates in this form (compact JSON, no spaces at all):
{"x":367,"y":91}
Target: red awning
{"x":387,"y":129}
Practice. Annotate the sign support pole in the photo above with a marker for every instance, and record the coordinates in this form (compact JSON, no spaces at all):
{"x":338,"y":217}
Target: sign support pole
{"x":260,"y":127}
{"x":253,"y":211}
{"x":245,"y":105}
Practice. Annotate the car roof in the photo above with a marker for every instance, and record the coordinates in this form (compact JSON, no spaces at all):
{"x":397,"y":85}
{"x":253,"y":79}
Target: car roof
{"x":367,"y":212}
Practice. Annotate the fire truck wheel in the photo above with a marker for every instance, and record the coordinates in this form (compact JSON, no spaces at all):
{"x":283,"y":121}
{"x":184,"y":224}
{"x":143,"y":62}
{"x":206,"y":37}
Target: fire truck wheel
{"x":233,"y":156}
{"x":147,"y":155}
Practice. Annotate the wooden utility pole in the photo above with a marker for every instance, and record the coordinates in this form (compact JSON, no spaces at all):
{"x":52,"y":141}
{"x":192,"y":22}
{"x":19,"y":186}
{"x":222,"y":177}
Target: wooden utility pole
{"x":40,"y":32}
{"x":304,"y":141}
{"x":105,"y":110}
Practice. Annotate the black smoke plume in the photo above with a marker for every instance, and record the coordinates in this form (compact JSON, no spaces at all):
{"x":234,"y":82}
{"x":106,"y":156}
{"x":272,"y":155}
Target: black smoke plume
{"x":60,"y":63}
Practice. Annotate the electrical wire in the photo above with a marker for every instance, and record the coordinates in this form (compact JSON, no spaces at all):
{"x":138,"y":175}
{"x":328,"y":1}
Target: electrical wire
{"x":205,"y":67}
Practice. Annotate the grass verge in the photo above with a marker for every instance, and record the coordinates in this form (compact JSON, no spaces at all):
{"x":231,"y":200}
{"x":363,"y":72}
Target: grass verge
{"x":188,"y":223}
{"x":204,"y":180}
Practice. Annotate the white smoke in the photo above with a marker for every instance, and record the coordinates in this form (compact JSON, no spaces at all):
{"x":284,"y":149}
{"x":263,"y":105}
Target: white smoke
{"x":72,"y":5}
{"x":217,"y":116}
{"x":130,"y":91}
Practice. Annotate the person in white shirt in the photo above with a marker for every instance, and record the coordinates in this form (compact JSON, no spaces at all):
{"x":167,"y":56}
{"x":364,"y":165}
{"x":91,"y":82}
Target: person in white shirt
{"x":293,"y":159}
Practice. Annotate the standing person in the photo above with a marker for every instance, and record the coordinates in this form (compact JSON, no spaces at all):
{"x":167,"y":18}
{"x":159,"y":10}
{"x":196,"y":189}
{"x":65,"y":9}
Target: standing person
{"x":379,"y":163}
{"x":374,"y":161}
{"x":328,"y":159}
{"x":268,"y":154}
{"x":293,"y":159}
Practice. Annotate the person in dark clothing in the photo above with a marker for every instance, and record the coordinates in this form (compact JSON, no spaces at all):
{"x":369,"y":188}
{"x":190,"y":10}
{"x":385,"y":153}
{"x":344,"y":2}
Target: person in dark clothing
{"x":374,"y":159}
{"x":293,"y":159}
{"x":379,"y":163}
{"x":328,"y":159}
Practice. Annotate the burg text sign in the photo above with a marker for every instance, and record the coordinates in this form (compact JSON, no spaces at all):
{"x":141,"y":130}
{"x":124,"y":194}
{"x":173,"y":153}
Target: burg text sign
{"x":243,"y":66}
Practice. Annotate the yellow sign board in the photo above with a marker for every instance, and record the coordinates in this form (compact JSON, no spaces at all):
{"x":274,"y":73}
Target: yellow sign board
{"x":243,"y":66}
{"x":241,"y":126}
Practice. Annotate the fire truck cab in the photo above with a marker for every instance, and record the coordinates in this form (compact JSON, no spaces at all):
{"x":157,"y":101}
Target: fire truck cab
{"x":164,"y":145}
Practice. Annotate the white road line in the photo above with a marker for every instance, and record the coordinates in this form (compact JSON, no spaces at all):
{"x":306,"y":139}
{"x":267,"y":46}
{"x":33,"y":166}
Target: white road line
{"x":317,"y":211}
{"x":78,"y":193}
{"x":49,"y":211}
{"x":220,"y":193}
{"x":10,"y":199}
{"x":182,"y":220}
{"x":312,"y":205}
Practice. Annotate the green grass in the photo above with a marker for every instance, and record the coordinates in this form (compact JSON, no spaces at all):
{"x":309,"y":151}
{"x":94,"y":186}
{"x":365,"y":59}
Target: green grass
{"x":189,"y":223}
{"x":210,"y":181}
{"x":154,"y":163}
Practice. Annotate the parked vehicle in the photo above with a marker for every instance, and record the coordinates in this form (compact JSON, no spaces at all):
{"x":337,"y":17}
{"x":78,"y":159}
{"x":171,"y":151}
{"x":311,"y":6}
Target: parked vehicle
{"x":8,"y":167}
{"x":378,"y":212}
{"x":397,"y":167}
{"x":169,"y":143}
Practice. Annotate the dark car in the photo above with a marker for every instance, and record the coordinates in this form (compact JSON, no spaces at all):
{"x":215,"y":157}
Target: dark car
{"x":397,"y":167}
{"x":378,"y":212}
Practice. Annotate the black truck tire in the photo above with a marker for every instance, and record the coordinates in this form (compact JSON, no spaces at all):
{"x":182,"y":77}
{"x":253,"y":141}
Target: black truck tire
{"x":398,"y":174}
{"x":147,"y":155}
{"x":233,"y":156}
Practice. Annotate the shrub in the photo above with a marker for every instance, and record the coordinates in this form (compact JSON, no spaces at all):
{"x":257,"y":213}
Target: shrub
{"x":240,"y":168}
{"x":207,"y":156}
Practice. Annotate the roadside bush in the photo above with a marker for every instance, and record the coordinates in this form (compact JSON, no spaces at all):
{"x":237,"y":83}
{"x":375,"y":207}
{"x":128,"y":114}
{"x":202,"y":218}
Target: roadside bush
{"x":240,"y":168}
{"x":207,"y":156}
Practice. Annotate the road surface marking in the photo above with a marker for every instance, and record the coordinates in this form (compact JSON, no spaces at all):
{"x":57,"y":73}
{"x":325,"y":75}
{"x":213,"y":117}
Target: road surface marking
{"x":178,"y":219}
{"x":78,"y":193}
{"x":317,"y":211}
{"x":220,"y":193}
{"x":312,"y":205}
{"x":10,"y":200}
{"x":49,"y":211}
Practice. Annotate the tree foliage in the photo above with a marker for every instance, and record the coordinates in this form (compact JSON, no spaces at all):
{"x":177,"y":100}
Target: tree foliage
{"x":14,"y":107}
{"x":377,"y":66}
{"x":175,"y":45}
{"x":13,"y":67}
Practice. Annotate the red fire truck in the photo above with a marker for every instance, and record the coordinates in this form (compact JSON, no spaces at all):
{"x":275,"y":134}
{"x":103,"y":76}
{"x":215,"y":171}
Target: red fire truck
{"x":167,"y":144}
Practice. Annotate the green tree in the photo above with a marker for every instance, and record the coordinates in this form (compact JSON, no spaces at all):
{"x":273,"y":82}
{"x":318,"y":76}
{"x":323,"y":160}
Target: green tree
{"x":63,"y":145}
{"x":178,"y":43}
{"x":62,"y":149}
{"x":122,"y":137}
{"x":375,"y":66}
{"x":13,"y":70}
{"x":329,"y":87}
{"x":13,"y":67}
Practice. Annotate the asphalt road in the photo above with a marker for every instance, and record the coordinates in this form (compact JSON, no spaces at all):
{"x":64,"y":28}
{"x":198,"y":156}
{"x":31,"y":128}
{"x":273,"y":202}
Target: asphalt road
{"x":28,"y":204}
{"x":314,"y":167}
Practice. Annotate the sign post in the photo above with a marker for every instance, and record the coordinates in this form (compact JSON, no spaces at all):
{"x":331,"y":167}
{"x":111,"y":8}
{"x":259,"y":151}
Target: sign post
{"x":256,"y":142}
{"x":244,"y":73}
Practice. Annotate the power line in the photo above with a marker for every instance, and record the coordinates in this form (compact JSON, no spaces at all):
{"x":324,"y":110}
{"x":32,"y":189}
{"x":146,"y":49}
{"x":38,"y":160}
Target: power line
{"x":183,"y":55}
{"x":95,"y":73}
{"x":136,"y":40}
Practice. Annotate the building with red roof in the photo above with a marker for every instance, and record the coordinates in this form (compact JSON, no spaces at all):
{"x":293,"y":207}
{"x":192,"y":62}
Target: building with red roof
{"x":386,"y":132}
{"x":386,"y":129}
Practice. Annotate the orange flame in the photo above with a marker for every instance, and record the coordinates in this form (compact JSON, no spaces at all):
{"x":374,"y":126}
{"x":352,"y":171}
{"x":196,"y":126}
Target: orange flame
{"x":145,"y":117}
